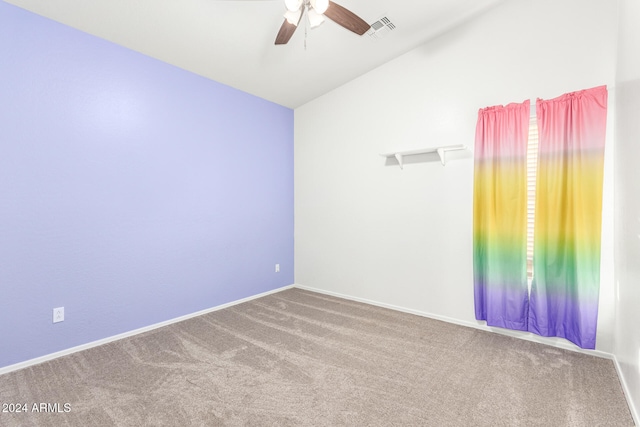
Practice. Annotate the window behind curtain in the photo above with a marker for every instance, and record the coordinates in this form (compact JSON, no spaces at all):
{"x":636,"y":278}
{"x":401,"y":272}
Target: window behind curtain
{"x":532,"y":166}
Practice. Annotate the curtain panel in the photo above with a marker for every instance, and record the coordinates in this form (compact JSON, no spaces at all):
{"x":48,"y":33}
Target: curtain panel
{"x":499,"y":216}
{"x":566,"y":281}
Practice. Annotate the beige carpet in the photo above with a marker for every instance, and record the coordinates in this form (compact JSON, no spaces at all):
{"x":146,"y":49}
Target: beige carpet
{"x":298,"y":358}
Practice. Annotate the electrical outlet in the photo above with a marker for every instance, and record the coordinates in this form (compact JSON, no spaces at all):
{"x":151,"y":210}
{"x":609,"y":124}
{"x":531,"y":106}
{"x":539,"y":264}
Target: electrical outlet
{"x":277,"y":268}
{"x":58,"y":314}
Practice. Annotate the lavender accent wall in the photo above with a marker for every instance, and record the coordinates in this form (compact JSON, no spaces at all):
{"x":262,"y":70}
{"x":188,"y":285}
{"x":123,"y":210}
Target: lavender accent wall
{"x":131,"y":191}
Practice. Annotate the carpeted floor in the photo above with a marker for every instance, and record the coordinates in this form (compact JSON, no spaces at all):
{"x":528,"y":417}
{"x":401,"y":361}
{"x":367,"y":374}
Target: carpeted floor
{"x":298,"y":358}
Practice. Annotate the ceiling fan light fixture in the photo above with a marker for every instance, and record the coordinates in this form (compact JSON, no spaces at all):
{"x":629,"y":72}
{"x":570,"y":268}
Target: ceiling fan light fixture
{"x":293,"y":17}
{"x":315,"y":19}
{"x":293,"y":5}
{"x":320,"y":6}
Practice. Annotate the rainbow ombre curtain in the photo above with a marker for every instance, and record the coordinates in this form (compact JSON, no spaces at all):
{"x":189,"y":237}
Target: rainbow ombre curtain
{"x":499,"y":216}
{"x":566,"y":282}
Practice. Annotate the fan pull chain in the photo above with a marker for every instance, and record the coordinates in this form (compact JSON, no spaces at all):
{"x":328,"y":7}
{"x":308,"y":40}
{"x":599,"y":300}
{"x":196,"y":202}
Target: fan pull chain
{"x":306,"y":29}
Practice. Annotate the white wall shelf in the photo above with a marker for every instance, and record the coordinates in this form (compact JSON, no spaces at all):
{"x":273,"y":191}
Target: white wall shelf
{"x":400,"y":155}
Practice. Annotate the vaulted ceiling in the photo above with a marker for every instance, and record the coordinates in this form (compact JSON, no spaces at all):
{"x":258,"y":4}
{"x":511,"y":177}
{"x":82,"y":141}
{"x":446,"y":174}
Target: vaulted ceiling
{"x":232,"y":41}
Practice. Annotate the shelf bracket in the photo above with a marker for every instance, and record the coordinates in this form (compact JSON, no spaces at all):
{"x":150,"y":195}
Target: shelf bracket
{"x":398,"y":157}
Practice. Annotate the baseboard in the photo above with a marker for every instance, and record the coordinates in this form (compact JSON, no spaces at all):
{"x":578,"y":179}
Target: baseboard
{"x":103,"y":341}
{"x":527,"y":336}
{"x":632,"y":408}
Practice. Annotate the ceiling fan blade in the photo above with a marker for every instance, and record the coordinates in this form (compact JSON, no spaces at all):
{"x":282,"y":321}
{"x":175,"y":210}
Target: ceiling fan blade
{"x":287,"y":29}
{"x":285,"y":33}
{"x":346,"y":19}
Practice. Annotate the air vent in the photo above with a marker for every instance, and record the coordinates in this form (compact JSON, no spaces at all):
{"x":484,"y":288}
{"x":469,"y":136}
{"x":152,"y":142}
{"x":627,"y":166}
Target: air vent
{"x":381,"y":28}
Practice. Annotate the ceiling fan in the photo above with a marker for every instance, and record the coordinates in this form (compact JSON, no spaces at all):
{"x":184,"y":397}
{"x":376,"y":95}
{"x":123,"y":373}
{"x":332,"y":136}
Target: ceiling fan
{"x":316,"y":10}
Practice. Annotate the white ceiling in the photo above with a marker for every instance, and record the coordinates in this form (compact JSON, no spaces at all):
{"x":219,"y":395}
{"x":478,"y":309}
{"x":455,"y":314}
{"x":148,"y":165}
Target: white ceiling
{"x":232,"y":41}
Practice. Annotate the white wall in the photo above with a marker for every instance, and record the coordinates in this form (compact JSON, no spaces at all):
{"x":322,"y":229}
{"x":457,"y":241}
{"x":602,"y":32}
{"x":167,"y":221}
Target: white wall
{"x":627,"y":190}
{"x":369,"y":230}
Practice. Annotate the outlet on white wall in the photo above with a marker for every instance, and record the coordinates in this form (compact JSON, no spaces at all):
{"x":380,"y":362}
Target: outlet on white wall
{"x":277,"y":268}
{"x":58,"y":314}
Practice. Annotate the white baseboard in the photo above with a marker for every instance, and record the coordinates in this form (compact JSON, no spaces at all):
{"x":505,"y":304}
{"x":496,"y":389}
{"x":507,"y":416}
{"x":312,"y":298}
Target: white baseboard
{"x":565,"y":345}
{"x":103,"y":341}
{"x":632,"y":408}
